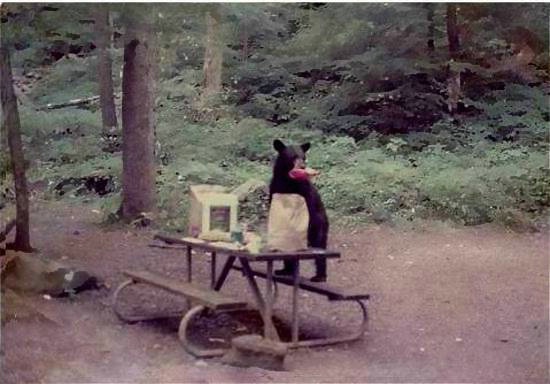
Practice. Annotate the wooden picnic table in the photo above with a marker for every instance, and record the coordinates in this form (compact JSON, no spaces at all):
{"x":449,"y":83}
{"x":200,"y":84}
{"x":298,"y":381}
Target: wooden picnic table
{"x":263,"y":302}
{"x":213,"y":299}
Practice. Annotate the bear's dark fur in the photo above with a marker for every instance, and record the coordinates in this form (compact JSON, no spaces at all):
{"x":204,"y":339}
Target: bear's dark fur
{"x":290,"y":157}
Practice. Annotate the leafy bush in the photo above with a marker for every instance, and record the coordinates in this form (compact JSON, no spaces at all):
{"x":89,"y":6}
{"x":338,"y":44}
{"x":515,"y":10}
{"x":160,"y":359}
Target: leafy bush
{"x":440,"y":184}
{"x":182,"y":87}
{"x":69,"y":78}
{"x":517,"y":113}
{"x":331,"y":152}
{"x":253,"y":138}
{"x":450,"y":173}
{"x":39,"y":126}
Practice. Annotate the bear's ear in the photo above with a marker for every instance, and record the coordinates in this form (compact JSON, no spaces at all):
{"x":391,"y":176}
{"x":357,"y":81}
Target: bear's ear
{"x":305,"y":147}
{"x":278,"y":145}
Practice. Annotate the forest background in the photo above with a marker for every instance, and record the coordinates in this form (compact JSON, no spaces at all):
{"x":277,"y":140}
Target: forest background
{"x":415,"y":112}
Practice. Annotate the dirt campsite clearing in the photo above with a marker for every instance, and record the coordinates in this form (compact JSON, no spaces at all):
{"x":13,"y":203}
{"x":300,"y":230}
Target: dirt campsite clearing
{"x":447,"y":305}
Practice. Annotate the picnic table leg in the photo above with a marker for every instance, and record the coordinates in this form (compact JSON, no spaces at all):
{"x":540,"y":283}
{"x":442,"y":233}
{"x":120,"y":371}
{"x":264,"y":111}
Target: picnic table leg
{"x":268,"y":322}
{"x":295,"y":280}
{"x":225,"y":271}
{"x":189,"y":266}
{"x":213,"y":270}
{"x":268,"y":312}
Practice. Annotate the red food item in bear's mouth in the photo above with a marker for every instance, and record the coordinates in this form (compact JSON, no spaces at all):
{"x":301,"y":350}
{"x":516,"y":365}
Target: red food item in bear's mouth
{"x":298,"y":174}
{"x":302,"y":174}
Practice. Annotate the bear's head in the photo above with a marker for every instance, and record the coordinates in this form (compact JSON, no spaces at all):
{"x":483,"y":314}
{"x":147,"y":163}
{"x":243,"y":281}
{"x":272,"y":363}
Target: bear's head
{"x":289,"y":157}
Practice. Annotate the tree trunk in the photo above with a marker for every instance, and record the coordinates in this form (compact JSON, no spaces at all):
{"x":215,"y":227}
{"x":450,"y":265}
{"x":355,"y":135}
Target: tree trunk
{"x":12,"y":129}
{"x":453,"y":90}
{"x":430,"y":8}
{"x":106,"y":93}
{"x":244,"y":56}
{"x":4,"y":151}
{"x":213,"y":56}
{"x":138,"y":166}
{"x":453,"y":81}
{"x":452,"y":30}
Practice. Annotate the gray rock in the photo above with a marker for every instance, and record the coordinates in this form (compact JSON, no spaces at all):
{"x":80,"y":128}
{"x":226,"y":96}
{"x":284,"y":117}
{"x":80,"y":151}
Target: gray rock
{"x":34,"y":274}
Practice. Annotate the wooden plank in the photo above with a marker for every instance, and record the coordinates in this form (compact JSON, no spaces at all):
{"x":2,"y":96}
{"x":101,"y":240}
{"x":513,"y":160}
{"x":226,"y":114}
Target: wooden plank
{"x":308,"y":254}
{"x":206,"y":297}
{"x":332,"y":293}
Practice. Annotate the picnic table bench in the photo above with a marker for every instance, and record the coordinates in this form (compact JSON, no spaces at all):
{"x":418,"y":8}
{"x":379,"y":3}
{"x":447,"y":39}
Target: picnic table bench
{"x":200,"y":297}
{"x":210,"y":298}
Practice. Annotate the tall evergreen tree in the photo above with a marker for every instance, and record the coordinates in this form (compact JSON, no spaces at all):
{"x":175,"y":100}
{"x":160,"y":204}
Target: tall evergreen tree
{"x":12,"y":127}
{"x":213,"y":54}
{"x":430,"y":8}
{"x":452,"y":30}
{"x":106,"y":94}
{"x":138,"y":166}
{"x":453,"y":81}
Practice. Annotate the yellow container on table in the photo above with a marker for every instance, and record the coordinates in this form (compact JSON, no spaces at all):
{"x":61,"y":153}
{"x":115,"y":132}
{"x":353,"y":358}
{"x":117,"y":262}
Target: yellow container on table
{"x":213,"y":211}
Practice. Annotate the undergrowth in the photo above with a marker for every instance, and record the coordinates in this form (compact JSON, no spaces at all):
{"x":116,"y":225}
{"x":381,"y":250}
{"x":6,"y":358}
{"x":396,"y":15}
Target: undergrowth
{"x":466,"y":178}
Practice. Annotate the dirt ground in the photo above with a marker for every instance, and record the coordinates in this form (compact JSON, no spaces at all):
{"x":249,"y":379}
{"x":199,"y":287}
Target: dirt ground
{"x":448,"y":305}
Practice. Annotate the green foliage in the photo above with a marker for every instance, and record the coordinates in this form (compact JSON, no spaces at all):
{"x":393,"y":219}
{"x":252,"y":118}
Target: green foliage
{"x":5,"y":165}
{"x":331,"y":151}
{"x":441,"y":184}
{"x":68,"y":78}
{"x":517,"y":113}
{"x":98,"y":166}
{"x":435,"y":176}
{"x":254,"y":138}
{"x":355,"y":80}
{"x":182,"y":87}
{"x":43,"y":34}
{"x":69,"y":137}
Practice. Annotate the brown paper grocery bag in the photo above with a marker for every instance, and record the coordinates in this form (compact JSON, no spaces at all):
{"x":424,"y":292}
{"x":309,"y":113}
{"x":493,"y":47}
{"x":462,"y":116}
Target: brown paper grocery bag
{"x":288,"y":222}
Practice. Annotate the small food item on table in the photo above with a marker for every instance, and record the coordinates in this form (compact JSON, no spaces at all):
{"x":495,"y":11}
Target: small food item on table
{"x":253,"y":242}
{"x":237,"y":235}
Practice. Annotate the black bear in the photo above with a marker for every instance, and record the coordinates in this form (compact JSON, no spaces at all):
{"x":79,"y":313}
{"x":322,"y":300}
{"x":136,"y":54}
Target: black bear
{"x":294,"y":157}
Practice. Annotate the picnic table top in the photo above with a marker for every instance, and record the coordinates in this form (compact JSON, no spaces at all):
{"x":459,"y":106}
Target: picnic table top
{"x":307,"y":254}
